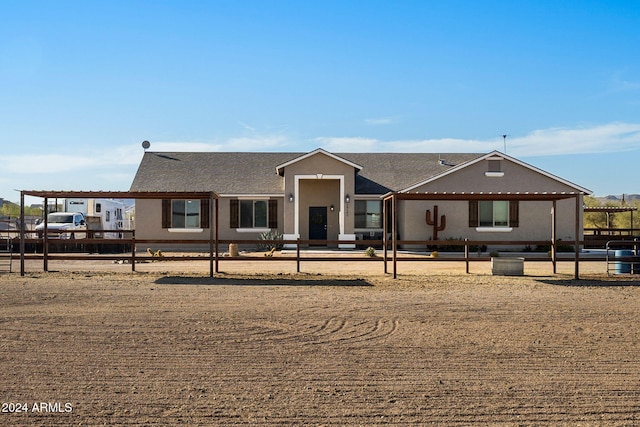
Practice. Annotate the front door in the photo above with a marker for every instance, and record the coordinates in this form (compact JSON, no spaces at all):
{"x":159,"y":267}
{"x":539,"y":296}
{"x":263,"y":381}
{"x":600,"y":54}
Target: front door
{"x":318,"y":223}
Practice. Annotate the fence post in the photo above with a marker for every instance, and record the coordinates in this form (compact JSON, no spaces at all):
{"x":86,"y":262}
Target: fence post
{"x":298,"y":255}
{"x":133,"y":251}
{"x":466,"y":253}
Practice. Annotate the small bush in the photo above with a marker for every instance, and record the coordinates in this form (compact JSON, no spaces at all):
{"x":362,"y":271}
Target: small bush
{"x":370,"y":252}
{"x":270,"y":235}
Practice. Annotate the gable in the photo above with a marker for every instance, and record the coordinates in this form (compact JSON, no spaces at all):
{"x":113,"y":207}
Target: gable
{"x":495,"y":172}
{"x":316,"y":157}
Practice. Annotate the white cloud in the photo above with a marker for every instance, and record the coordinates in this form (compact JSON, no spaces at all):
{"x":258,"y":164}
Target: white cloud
{"x":242,"y":143}
{"x":612,"y":137}
{"x":98,"y":170}
{"x":185,"y":146}
{"x":350,"y":145}
{"x":554,"y":141}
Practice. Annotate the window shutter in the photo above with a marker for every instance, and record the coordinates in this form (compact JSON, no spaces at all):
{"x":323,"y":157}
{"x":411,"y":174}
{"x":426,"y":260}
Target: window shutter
{"x":166,"y":213}
{"x":473,"y":213}
{"x":204,"y":213}
{"x":273,"y":213}
{"x":514,"y":213}
{"x":234,"y":213}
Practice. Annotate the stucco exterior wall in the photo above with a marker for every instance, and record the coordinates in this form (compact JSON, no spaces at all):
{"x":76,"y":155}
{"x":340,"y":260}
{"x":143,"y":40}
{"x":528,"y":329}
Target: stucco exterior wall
{"x":148,"y":220}
{"x":319,"y":185}
{"x":535,"y":220}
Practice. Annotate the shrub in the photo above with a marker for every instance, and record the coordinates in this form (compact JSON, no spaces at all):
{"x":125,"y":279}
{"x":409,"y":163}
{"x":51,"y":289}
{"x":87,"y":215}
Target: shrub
{"x":270,"y":235}
{"x":370,"y":252}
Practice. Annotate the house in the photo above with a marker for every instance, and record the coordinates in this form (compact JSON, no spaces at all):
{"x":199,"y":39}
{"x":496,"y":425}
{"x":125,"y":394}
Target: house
{"x":321,"y":195}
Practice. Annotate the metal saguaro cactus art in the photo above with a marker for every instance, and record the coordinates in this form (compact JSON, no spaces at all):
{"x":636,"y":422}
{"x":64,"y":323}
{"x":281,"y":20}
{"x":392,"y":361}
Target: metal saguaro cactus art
{"x":434,"y":222}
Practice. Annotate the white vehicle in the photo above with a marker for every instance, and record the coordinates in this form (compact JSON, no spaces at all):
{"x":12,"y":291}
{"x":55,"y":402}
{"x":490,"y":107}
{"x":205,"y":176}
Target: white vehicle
{"x":64,"y":225}
{"x":103,"y":215}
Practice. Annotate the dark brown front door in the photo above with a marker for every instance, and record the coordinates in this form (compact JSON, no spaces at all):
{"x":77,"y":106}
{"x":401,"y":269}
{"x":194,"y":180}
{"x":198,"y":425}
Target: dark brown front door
{"x":318,"y":223}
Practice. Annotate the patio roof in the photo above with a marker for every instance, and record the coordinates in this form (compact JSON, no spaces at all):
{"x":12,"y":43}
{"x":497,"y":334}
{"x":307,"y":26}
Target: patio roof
{"x":121,"y":194}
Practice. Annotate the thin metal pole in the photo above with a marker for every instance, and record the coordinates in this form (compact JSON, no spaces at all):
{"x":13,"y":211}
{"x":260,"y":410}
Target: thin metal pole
{"x":577,"y":243}
{"x":45,"y":241}
{"x":553,"y":237}
{"x":298,"y":255}
{"x":217,"y":240}
{"x":385,"y":230}
{"x":466,"y":253}
{"x":211,"y":235}
{"x":394,"y":239}
{"x":133,"y":250}
{"x":22,"y":233}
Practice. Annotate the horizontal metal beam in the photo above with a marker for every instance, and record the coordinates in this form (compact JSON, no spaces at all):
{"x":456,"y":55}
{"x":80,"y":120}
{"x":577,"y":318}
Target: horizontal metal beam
{"x":483,"y":196}
{"x":122,"y":194}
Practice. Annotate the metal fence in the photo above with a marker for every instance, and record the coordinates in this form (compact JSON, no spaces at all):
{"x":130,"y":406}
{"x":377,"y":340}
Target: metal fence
{"x":132,"y":250}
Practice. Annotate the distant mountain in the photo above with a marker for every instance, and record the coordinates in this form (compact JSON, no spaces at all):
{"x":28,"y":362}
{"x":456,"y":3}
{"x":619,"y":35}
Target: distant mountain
{"x":618,"y":198}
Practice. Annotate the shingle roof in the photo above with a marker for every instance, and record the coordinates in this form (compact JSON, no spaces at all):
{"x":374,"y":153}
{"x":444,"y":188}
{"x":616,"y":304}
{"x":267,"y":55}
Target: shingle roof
{"x":255,"y":173}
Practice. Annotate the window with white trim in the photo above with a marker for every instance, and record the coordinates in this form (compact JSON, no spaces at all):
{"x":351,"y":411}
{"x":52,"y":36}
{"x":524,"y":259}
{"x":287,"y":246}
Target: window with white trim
{"x":368,"y":214}
{"x":493,"y":213}
{"x":253,"y":214}
{"x":185,"y":213}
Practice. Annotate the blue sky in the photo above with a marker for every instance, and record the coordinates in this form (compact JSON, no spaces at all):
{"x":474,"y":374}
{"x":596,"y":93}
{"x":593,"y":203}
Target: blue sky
{"x":83,"y":83}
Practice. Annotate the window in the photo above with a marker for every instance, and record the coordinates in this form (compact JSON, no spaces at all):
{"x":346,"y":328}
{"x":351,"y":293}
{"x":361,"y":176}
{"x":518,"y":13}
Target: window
{"x":253,"y":213}
{"x":494,"y":168}
{"x":493,"y":213}
{"x":185,"y":214}
{"x":368,"y":214}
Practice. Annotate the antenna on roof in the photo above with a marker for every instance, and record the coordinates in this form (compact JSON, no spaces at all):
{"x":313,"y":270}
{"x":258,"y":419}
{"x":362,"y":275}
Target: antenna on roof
{"x":504,"y":141}
{"x":146,"y":145}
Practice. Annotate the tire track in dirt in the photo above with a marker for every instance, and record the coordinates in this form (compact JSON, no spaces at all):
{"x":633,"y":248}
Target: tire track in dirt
{"x":455,"y":355}
{"x":333,"y":329}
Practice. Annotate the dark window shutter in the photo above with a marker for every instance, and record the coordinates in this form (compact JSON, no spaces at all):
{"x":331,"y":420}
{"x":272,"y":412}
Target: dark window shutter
{"x":166,"y":213}
{"x":514,"y":213}
{"x":473,"y":213}
{"x":273,"y":213}
{"x":204,"y":213}
{"x":234,"y":213}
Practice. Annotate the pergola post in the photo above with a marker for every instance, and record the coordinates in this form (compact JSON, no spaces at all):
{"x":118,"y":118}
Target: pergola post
{"x":394,"y":234}
{"x":385,"y":231}
{"x":217,"y":240}
{"x":22,"y":233}
{"x":45,"y":234}
{"x":212,"y":241}
{"x":553,"y":236}
{"x":577,"y":243}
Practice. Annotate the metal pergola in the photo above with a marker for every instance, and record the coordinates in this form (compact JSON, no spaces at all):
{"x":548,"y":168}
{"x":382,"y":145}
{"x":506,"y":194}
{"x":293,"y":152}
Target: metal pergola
{"x":393,"y":198}
{"x":211,"y":196}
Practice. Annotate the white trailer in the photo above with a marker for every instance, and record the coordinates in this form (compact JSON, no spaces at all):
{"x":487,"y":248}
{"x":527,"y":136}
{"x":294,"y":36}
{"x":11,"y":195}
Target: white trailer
{"x":102,"y":215}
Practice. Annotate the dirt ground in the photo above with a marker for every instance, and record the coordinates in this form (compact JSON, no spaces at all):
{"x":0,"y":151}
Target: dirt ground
{"x":337,"y":344}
